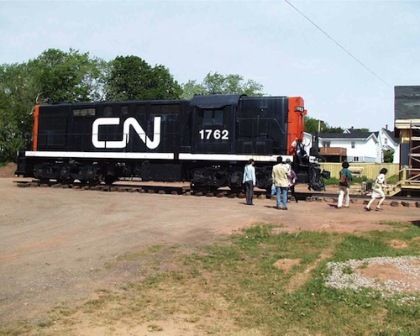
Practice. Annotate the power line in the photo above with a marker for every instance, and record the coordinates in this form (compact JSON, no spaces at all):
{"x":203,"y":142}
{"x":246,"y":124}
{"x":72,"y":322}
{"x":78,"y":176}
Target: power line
{"x":332,"y":39}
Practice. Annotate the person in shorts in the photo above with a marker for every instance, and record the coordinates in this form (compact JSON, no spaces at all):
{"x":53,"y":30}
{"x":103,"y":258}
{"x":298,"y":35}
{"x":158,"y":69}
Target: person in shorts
{"x":378,"y":190}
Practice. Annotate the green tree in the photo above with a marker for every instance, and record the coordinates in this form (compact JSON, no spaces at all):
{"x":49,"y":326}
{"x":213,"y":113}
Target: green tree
{"x":11,"y":137}
{"x":192,"y":88}
{"x":219,"y":84}
{"x":364,"y":130}
{"x":17,"y":98}
{"x":67,"y":76}
{"x":313,"y":126}
{"x":132,"y":78}
{"x":389,"y":156}
{"x":330,"y":129}
{"x":53,"y":77}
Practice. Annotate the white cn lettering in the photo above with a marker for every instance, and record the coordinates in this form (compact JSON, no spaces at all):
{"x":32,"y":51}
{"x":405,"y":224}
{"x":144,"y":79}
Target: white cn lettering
{"x":151,"y":144}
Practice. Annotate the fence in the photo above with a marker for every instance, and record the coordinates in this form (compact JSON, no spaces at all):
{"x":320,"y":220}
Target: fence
{"x":370,"y":170}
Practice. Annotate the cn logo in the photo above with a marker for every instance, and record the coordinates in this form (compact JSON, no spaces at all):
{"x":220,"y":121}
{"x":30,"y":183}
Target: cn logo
{"x":151,"y":144}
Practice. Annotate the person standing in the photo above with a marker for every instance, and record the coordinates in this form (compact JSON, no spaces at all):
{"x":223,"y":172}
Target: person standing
{"x":288,"y":164}
{"x":292,"y":179}
{"x":249,"y":180}
{"x":344,"y":186}
{"x":378,"y":190}
{"x":298,"y":149}
{"x":280,"y":176}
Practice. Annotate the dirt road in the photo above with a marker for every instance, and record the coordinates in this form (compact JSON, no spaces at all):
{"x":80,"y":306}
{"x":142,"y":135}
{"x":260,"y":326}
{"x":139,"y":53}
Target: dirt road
{"x":55,"y":243}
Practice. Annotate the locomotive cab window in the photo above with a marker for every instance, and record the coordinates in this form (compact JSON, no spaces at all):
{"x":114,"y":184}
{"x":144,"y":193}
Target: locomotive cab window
{"x":124,"y":110}
{"x":213,"y":117}
{"x":86,"y":112}
{"x":107,"y":111}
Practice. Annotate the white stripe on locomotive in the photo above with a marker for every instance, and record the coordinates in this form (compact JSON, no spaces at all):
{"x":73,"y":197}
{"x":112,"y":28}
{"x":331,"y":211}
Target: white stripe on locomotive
{"x":167,"y":156}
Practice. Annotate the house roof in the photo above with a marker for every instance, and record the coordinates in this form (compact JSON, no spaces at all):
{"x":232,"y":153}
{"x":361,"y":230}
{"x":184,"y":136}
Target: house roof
{"x":352,"y":135}
{"x":352,"y":130}
{"x":357,"y":135}
{"x":390,"y":134}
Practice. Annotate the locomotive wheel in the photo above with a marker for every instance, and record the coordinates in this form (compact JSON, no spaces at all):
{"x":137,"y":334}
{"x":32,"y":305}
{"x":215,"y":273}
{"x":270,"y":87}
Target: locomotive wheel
{"x":109,"y":179}
{"x":93,"y":182}
{"x":235,"y":182}
{"x":89,"y":182}
{"x":44,"y":180}
{"x":236,"y":189}
{"x":65,"y":181}
{"x":204,"y":189}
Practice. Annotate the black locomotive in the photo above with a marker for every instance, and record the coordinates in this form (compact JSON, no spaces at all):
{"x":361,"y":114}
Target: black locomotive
{"x":206,"y":140}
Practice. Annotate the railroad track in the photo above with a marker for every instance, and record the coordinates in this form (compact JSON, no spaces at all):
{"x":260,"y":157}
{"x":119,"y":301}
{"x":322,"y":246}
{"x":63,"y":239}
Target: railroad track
{"x":184,"y":189}
{"x":174,"y":189}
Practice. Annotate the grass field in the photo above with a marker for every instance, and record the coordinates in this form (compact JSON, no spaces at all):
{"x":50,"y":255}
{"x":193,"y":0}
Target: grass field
{"x":239,"y":286}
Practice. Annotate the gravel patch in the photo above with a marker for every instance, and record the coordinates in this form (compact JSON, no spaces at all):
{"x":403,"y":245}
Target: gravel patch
{"x":390,"y":276}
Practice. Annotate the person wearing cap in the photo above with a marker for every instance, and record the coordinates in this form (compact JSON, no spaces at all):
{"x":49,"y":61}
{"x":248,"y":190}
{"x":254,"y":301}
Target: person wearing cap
{"x":249,"y":180}
{"x":344,"y":186}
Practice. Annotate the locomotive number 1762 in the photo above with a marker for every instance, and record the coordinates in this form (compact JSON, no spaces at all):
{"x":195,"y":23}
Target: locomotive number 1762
{"x":216,"y":134}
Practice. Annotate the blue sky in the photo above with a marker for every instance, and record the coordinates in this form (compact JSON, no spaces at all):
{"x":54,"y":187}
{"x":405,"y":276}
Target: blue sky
{"x":267,"y":41}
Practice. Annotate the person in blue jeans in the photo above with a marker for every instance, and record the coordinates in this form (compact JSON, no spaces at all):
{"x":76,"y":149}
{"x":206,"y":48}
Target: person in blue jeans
{"x":280,"y":176}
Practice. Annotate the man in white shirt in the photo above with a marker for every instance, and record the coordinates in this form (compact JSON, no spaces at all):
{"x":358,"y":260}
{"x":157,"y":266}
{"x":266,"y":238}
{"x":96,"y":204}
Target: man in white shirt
{"x":280,"y":177}
{"x":249,"y":180}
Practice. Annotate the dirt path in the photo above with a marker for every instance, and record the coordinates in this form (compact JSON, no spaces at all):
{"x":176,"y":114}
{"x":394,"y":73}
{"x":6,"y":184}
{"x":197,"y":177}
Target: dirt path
{"x":55,"y":243}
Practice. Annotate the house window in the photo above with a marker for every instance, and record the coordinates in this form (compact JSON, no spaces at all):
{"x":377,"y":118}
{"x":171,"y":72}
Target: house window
{"x":386,"y":141}
{"x":326,"y":143}
{"x":353,"y":144}
{"x":355,"y":159}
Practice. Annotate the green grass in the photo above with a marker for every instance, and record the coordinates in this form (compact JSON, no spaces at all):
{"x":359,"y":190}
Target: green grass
{"x":360,"y":179}
{"x":313,"y":309}
{"x":235,"y":287}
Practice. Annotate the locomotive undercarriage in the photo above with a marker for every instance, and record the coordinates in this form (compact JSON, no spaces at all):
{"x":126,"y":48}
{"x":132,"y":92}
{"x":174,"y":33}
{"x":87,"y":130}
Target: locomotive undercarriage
{"x":70,"y":171}
{"x":203,"y":177}
{"x":101,"y":171}
{"x":211,"y":177}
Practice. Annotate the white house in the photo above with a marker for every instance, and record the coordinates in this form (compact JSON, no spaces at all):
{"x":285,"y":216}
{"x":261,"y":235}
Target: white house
{"x":356,"y":146}
{"x":387,"y":141}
